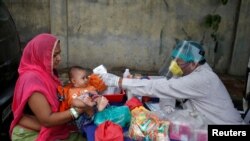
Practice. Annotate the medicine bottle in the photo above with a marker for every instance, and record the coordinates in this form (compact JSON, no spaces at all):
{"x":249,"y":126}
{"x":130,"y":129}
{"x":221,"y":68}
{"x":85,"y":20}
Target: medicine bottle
{"x":126,"y":73}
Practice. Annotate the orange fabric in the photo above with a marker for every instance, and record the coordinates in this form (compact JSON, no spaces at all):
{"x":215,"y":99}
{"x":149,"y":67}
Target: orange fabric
{"x":75,"y":92}
{"x":63,"y":92}
{"x":97,"y":82}
{"x":68,"y":93}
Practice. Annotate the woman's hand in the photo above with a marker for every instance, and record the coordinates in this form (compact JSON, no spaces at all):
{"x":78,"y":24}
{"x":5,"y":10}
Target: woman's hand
{"x":80,"y":105}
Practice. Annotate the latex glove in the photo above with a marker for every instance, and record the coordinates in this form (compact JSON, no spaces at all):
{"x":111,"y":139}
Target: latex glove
{"x":110,"y":80}
{"x":167,"y":105}
{"x":169,"y":109}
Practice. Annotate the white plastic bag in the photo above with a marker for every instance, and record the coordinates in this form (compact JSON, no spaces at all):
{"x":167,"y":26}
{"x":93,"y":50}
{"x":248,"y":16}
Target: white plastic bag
{"x":185,"y":124}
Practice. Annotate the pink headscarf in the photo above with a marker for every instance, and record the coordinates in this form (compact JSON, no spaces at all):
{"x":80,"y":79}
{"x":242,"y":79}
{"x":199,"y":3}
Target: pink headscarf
{"x":36,"y":75}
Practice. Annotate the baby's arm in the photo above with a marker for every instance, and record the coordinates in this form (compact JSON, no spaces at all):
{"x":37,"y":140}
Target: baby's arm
{"x":102,"y":102}
{"x":86,"y":99}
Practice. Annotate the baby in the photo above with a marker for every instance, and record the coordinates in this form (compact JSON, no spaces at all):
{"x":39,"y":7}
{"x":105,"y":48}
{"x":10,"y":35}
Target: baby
{"x":80,"y":88}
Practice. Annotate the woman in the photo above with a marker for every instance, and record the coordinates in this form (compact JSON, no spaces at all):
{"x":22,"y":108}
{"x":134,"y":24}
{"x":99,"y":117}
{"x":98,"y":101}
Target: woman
{"x":35,"y":103}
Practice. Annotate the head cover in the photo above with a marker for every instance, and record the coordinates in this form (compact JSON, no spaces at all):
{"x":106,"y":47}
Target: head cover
{"x":189,"y":51}
{"x":36,"y":75}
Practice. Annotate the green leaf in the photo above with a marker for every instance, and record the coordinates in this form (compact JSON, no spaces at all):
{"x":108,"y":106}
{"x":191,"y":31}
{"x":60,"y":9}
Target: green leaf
{"x":216,"y":18}
{"x":224,"y":2}
{"x":209,"y":20}
{"x":214,"y":36}
{"x":216,"y":22}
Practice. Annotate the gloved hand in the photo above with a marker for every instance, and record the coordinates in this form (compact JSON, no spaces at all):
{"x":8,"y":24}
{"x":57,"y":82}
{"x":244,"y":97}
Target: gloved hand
{"x":167,"y":105}
{"x":110,"y":80}
{"x":169,"y":109}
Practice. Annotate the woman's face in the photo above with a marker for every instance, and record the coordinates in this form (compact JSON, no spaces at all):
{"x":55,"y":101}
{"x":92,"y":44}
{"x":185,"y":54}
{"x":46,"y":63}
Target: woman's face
{"x":57,"y":56}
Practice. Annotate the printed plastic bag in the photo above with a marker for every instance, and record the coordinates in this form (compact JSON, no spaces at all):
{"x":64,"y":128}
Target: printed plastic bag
{"x":118,"y":114}
{"x":147,"y":126}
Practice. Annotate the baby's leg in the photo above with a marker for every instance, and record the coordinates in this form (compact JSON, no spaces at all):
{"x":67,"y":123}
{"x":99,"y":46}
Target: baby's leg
{"x":102,"y":102}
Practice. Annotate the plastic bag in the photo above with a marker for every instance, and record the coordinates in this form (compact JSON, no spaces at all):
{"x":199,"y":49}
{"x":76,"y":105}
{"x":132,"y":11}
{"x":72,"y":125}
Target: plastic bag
{"x":187,"y":125}
{"x":118,"y":114}
{"x":133,"y":103}
{"x":108,"y":131}
{"x":167,"y":104}
{"x":147,"y":126}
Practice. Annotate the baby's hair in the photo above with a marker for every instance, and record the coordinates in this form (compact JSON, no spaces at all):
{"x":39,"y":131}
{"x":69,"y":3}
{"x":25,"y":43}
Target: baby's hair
{"x":71,"y":69}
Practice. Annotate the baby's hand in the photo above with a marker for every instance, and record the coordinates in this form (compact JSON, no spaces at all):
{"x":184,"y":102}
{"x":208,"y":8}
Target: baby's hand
{"x":88,"y":101}
{"x":102,"y":102}
{"x":93,"y":92}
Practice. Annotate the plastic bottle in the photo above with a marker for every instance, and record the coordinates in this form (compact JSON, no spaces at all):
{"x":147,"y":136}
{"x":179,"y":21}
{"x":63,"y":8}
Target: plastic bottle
{"x":126,"y":74}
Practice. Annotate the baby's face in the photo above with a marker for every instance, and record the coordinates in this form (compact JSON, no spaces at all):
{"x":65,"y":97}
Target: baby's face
{"x":80,"y":78}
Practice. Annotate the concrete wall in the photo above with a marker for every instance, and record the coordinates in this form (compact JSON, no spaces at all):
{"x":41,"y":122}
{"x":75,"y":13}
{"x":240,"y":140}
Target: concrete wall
{"x":138,"y":34}
{"x":31,"y":17}
{"x":241,"y":51}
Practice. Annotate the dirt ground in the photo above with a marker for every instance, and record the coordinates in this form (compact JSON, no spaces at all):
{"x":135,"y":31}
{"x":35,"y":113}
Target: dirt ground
{"x":236,"y":87}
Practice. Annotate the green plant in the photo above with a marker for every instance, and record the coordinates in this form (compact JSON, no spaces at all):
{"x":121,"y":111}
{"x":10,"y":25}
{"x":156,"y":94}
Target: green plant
{"x":212,"y":21}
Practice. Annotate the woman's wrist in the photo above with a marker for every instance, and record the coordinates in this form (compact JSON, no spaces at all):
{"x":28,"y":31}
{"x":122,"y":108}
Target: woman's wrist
{"x":74,"y":113}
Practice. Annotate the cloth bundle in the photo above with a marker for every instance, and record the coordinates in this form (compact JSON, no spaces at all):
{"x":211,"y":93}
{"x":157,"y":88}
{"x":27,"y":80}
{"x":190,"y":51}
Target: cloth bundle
{"x":108,"y":131}
{"x":117,"y":114}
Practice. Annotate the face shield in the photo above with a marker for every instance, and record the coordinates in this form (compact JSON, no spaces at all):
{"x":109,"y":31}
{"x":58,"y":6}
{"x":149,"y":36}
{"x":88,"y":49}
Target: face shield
{"x":187,"y":52}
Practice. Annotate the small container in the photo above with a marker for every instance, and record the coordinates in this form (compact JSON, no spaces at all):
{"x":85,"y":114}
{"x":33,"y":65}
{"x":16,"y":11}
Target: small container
{"x":116,"y":97}
{"x":126,"y":74}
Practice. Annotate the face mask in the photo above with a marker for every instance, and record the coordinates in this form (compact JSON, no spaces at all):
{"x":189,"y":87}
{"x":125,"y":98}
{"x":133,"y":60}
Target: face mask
{"x":175,"y":69}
